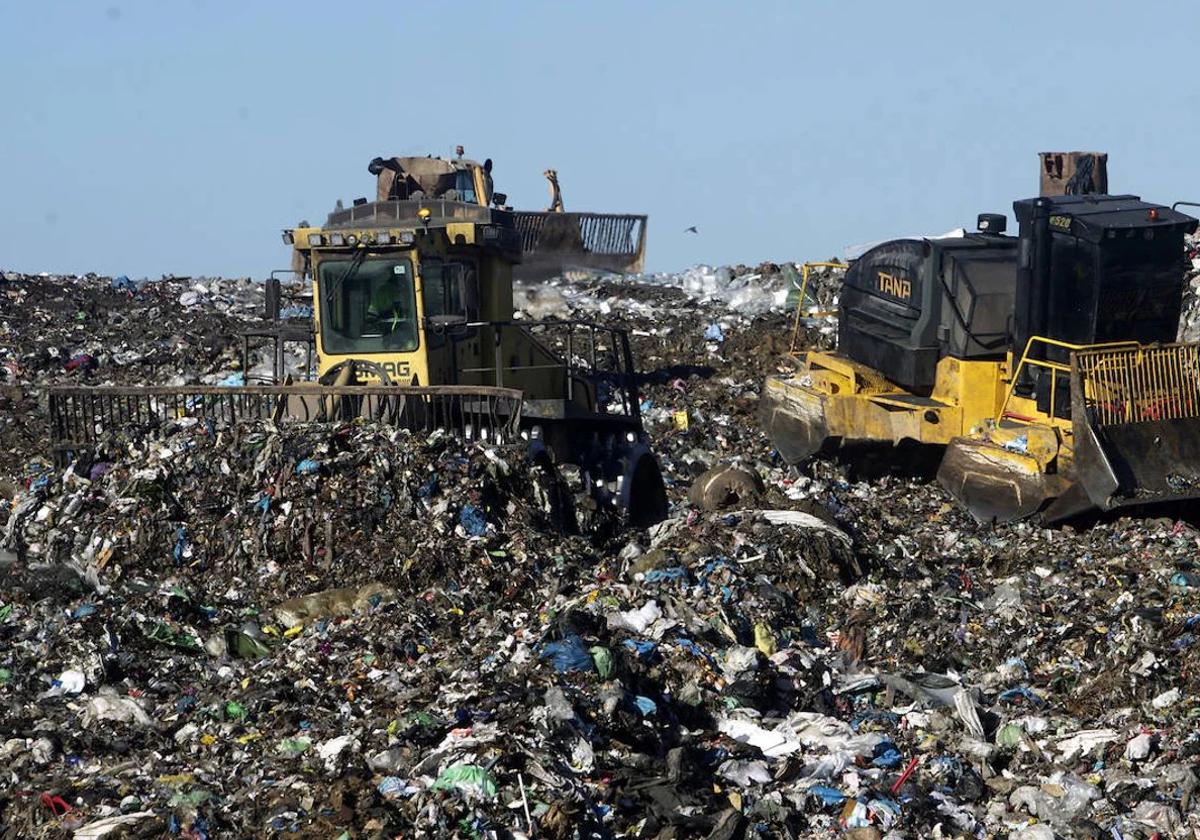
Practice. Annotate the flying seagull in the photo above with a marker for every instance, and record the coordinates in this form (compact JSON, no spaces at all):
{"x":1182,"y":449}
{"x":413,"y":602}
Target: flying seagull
{"x":692,"y":229}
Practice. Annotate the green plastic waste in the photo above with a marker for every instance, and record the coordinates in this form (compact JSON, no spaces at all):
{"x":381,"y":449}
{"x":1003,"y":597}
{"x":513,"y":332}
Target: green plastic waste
{"x":5,"y":676}
{"x":467,"y":778}
{"x":192,"y":797}
{"x":1009,"y":735}
{"x":294,"y":746}
{"x":160,"y":632}
{"x":602,"y":658}
{"x":244,"y":646}
{"x":235,"y":710}
{"x":5,"y":612}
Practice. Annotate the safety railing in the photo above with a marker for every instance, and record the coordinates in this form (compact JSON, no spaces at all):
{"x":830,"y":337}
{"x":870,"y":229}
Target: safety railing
{"x":582,"y":351}
{"x":806,"y":271}
{"x":1056,"y":368}
{"x":81,"y":417}
{"x":405,"y":211}
{"x":1140,"y":383}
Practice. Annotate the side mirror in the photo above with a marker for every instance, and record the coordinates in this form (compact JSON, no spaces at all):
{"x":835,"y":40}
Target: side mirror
{"x":274,"y":298}
{"x":499,"y":199}
{"x":487,"y":166}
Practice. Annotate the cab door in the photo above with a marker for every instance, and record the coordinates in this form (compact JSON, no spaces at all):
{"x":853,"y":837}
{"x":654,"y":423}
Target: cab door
{"x":450,"y":290}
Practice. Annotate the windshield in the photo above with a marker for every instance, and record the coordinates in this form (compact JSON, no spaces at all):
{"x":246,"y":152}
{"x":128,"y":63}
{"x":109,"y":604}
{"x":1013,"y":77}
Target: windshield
{"x":367,"y":306}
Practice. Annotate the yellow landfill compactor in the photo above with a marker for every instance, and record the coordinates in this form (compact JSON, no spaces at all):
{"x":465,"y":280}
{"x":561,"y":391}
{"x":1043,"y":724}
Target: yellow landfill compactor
{"x":1046,"y":364}
{"x":412,"y":325}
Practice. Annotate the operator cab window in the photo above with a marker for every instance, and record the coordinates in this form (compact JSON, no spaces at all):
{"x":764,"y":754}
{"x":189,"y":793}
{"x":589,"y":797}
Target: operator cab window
{"x":464,"y":184}
{"x":368,"y":306}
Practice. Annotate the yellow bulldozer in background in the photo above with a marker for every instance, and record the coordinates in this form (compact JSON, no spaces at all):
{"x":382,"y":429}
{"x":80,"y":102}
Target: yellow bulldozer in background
{"x":412,"y":325}
{"x":554,"y":241}
{"x":1045,"y":364}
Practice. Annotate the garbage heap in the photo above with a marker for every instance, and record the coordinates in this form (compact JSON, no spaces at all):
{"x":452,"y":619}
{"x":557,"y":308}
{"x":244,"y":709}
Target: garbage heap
{"x":345,"y":631}
{"x":1189,"y":321}
{"x":90,"y":330}
{"x":342,"y":628}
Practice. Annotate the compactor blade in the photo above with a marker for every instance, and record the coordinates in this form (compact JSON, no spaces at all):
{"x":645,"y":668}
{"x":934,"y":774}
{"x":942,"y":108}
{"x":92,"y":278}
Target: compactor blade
{"x":793,"y":417}
{"x":1136,"y":424}
{"x":1139,"y":463}
{"x":80,"y":417}
{"x":994,"y":483}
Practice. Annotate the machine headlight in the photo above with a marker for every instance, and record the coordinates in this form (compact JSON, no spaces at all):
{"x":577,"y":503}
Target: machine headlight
{"x":407,"y":238}
{"x":337,"y":240}
{"x":383,"y":238}
{"x":289,"y":238}
{"x":352,"y":239}
{"x":314,"y":239}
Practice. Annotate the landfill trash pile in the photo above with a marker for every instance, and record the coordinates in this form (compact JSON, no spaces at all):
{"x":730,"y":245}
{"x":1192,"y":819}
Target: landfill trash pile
{"x":116,"y":330}
{"x":741,"y":290}
{"x":347,"y":631}
{"x":1189,"y":321}
{"x":94,"y":330}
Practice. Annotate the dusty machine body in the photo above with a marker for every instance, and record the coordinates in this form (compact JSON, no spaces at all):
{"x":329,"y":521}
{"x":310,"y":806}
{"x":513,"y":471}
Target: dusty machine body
{"x":554,"y":241}
{"x":412,"y":325}
{"x":1045,"y":363}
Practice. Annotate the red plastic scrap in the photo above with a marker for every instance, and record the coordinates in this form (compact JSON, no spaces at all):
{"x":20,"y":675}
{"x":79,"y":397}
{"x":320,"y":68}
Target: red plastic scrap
{"x":54,"y":802}
{"x":908,"y":771}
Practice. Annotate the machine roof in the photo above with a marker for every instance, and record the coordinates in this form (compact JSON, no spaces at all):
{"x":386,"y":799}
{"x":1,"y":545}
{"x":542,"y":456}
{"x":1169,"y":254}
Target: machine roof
{"x":1094,"y":215}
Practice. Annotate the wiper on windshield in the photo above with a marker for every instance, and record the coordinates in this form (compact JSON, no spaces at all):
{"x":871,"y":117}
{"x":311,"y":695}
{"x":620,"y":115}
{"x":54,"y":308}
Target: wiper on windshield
{"x":348,"y":274}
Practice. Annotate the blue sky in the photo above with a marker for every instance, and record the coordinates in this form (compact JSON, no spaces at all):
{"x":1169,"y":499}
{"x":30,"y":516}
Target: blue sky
{"x":179,"y":137}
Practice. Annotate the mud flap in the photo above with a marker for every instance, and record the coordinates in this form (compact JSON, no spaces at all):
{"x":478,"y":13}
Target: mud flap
{"x":794,"y":419}
{"x":1138,"y":463}
{"x":996,"y":484}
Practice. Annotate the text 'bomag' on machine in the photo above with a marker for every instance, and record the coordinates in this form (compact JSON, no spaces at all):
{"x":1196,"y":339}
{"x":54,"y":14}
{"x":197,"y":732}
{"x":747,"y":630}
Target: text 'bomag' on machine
{"x":1045,"y":363}
{"x":412,"y":326}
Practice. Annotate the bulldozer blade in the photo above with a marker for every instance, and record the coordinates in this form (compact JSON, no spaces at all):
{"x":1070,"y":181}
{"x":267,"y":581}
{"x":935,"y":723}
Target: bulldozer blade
{"x":993,"y":483}
{"x":794,"y":419}
{"x":1074,"y":501}
{"x":1135,"y":418}
{"x":555,"y":243}
{"x":1138,"y":463}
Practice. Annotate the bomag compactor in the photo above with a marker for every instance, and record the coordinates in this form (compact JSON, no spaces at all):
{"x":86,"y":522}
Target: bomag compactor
{"x":412,"y":326}
{"x":1045,"y":363}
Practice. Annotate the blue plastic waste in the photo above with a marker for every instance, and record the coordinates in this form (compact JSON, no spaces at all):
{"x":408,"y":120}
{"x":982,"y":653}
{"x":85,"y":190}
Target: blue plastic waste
{"x":1014,"y":695}
{"x":828,"y":795}
{"x":307,"y":467}
{"x":713,"y":332}
{"x":429,"y":488}
{"x":886,"y":755}
{"x":672,"y":573}
{"x":571,"y":654}
{"x":472,"y":521}
{"x":645,"y":705}
{"x":1185,"y":579}
{"x":640,"y":647}
{"x":181,"y":544}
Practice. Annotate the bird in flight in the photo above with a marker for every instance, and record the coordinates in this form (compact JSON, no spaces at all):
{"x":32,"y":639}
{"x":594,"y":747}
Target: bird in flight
{"x":692,"y":229}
